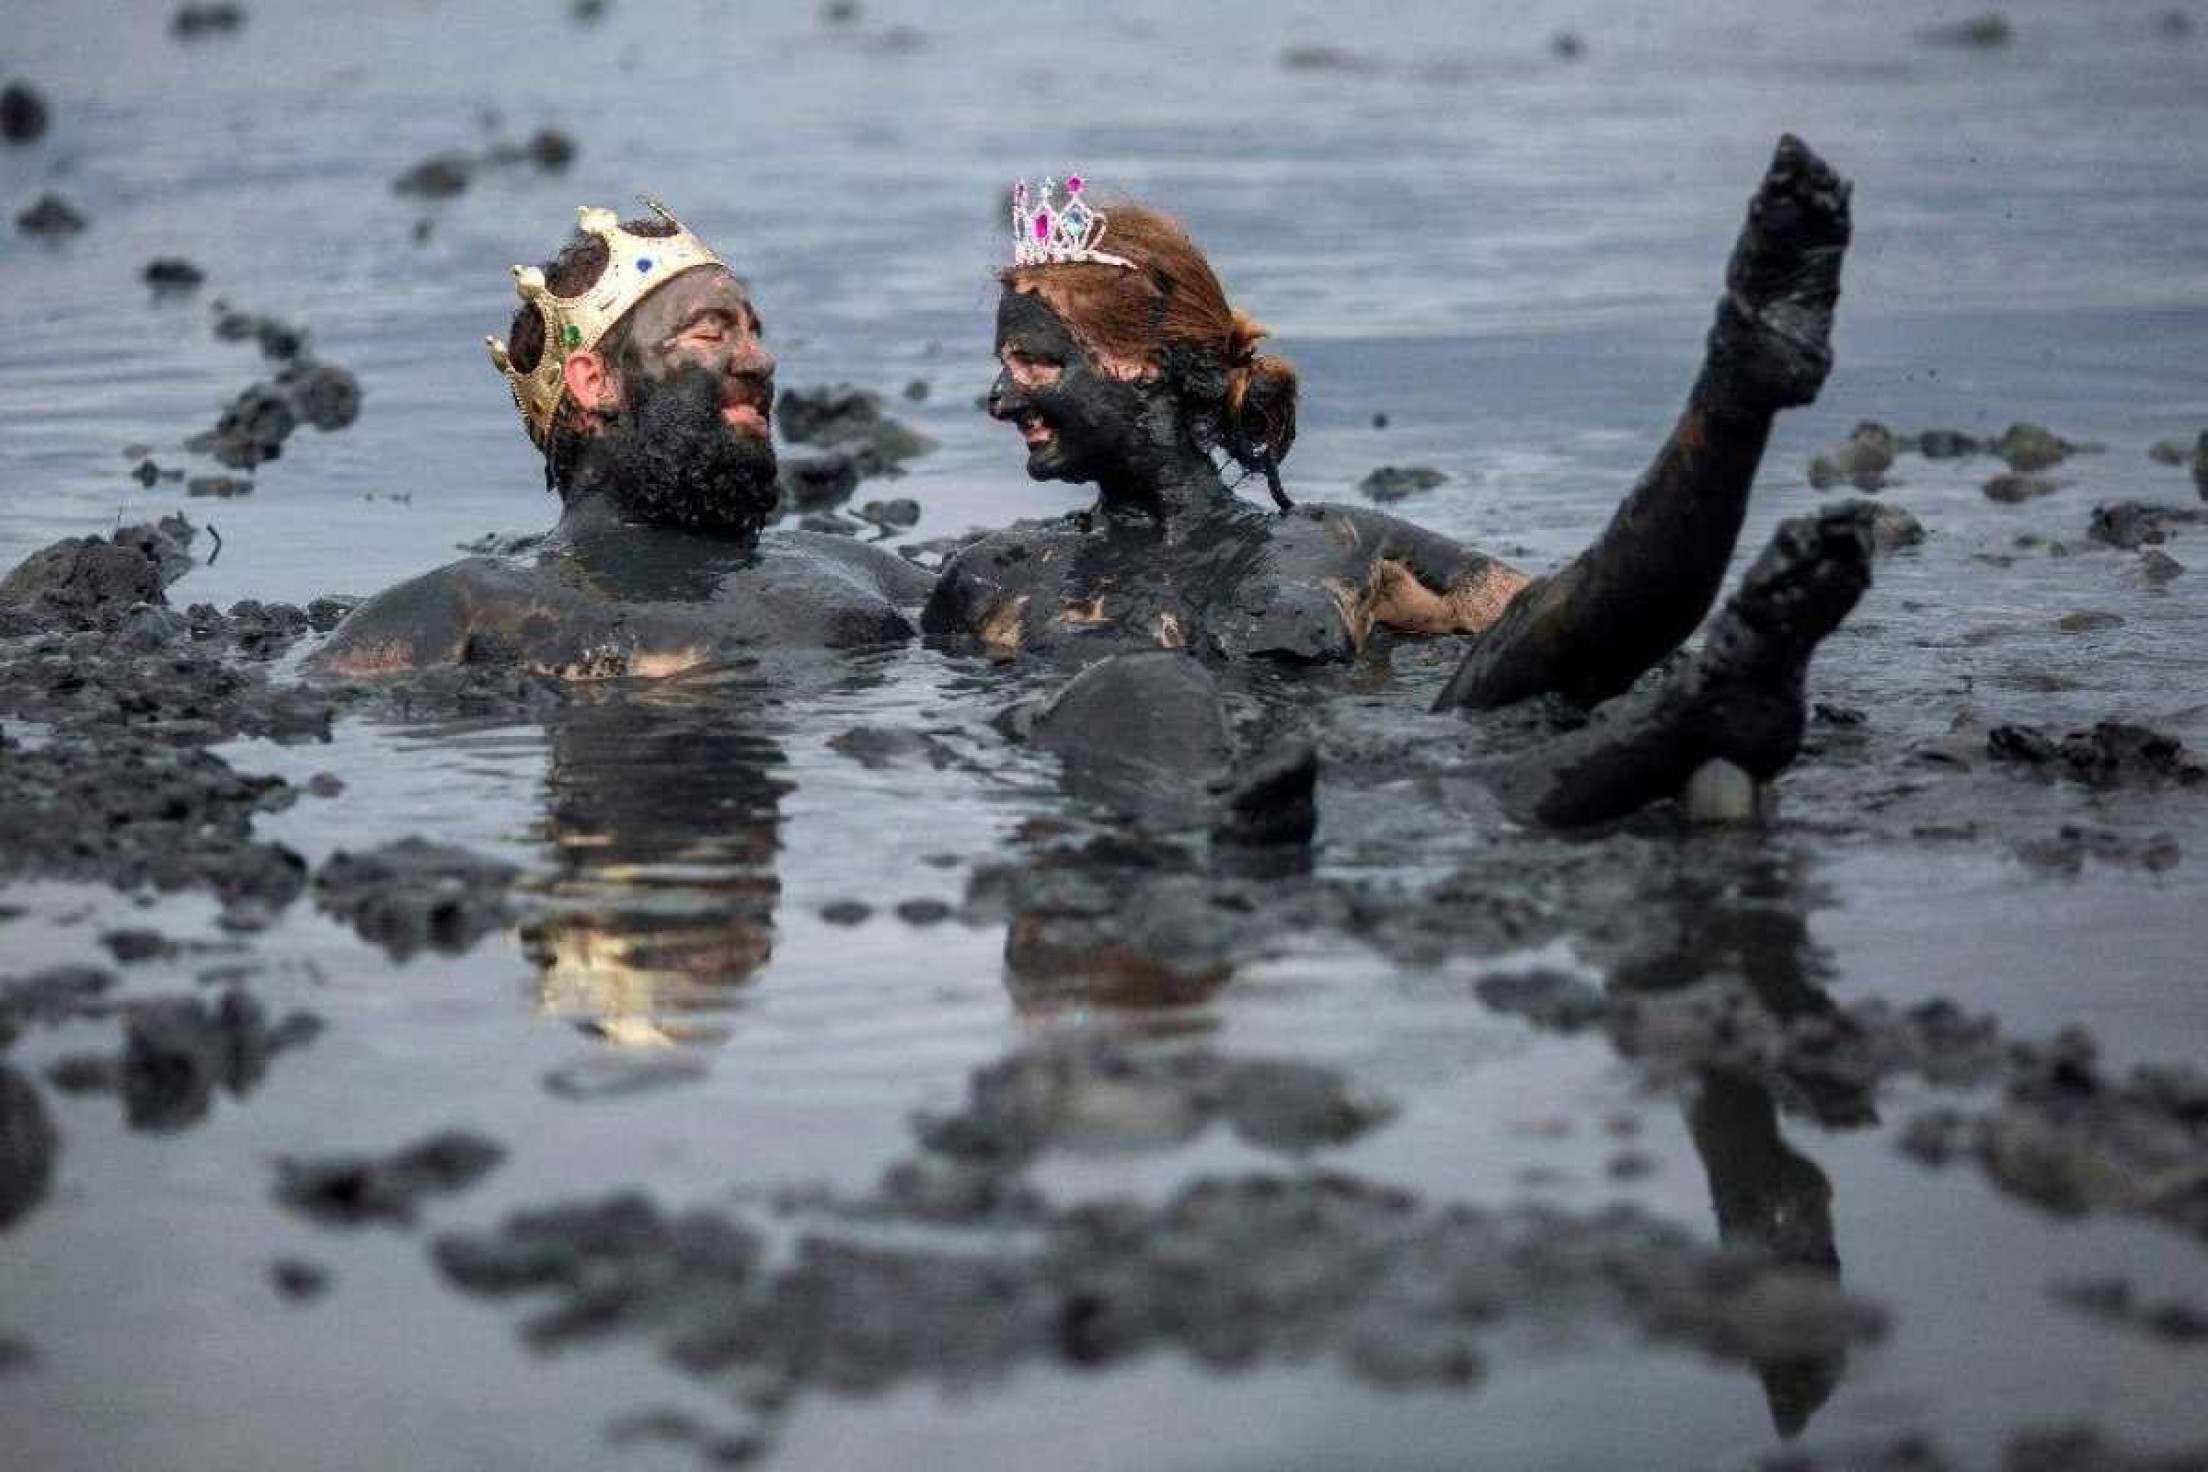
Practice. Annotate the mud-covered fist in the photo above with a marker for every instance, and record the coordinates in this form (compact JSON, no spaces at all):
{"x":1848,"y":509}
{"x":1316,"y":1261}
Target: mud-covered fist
{"x":1772,"y":345}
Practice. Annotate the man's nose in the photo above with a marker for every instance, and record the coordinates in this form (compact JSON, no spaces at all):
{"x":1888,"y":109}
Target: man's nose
{"x":1000,"y":405}
{"x":752,"y":360}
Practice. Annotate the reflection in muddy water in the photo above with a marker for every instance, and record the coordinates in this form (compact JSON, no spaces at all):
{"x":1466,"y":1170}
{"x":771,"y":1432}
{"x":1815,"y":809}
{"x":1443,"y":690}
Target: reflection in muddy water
{"x":1772,"y":1200}
{"x":28,"y":1146}
{"x":1217,"y":1163}
{"x":662,"y":810}
{"x":1750,"y":919}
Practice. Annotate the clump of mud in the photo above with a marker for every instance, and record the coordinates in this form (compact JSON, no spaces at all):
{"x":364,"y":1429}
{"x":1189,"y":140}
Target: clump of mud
{"x":2072,"y":1139}
{"x":22,"y":113}
{"x":1232,"y":1270}
{"x":255,"y":425}
{"x":1399,"y":482}
{"x":2112,"y":754}
{"x":179,"y":1051}
{"x":2130,"y":525}
{"x":51,"y":216}
{"x":852,"y":423}
{"x":351,"y":1190}
{"x":415,"y":895}
{"x":199,"y":18}
{"x":443,"y":175}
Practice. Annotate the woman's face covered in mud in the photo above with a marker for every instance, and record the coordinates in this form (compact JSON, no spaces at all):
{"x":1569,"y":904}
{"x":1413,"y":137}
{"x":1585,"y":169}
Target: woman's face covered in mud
{"x":1081,"y":420}
{"x":687,"y":445}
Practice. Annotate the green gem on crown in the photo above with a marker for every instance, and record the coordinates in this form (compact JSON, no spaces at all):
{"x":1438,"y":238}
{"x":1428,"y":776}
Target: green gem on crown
{"x":572,"y":335}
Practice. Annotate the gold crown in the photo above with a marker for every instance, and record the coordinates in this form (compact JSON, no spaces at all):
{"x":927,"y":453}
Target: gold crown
{"x":636,"y":266}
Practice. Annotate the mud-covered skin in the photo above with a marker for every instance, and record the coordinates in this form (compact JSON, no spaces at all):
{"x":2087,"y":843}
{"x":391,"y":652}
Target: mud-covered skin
{"x":1169,"y":557}
{"x":606,"y":599}
{"x":657,"y":564}
{"x":1220,"y":577}
{"x":1741,"y":699}
{"x":1591,"y":628}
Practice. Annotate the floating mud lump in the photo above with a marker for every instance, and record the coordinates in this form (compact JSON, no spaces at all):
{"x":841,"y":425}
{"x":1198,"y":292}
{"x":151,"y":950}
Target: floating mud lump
{"x":2112,"y":754}
{"x":849,"y":419}
{"x":444,"y":175}
{"x":2130,"y":525}
{"x":2067,"y":851}
{"x":2154,"y":568}
{"x":1398,"y":482}
{"x":179,"y":1051}
{"x":297,"y":1279}
{"x":893,"y":515}
{"x":50,"y":216}
{"x":815,"y":482}
{"x":1987,"y":32}
{"x":1944,"y":444}
{"x":440,"y":176}
{"x":172,"y":274}
{"x":1321,"y":58}
{"x":206,"y":18}
{"x":416,"y":895}
{"x":351,"y":1190}
{"x":2114,"y":1301}
{"x":2030,"y":447}
{"x":2072,"y":1139}
{"x":1861,"y":461}
{"x":252,"y":430}
{"x":2013,"y":489}
{"x":22,"y":113}
{"x":279,"y":340}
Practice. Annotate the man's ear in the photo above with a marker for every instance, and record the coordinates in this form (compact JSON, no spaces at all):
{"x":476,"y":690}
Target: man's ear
{"x":591,"y":383}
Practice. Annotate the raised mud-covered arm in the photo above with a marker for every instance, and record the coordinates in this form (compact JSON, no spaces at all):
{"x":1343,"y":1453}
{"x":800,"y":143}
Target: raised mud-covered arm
{"x":1627,"y":601}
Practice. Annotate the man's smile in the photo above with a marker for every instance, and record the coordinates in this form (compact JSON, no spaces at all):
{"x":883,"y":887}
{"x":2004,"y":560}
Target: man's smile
{"x":1035,"y":431}
{"x":746,"y":405}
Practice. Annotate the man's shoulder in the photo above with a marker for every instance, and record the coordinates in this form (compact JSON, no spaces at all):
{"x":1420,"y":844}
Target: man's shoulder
{"x":894,"y":577}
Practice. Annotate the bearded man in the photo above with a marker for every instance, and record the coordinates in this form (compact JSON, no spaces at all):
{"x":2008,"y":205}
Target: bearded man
{"x":637,"y":364}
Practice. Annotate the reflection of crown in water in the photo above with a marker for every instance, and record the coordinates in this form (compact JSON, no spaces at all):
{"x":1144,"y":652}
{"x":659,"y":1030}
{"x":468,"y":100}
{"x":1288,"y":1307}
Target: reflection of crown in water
{"x":1054,"y":229}
{"x":636,"y":265}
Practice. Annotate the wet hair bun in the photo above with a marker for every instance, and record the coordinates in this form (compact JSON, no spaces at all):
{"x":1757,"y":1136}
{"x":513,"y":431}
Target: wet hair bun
{"x":1260,"y":420}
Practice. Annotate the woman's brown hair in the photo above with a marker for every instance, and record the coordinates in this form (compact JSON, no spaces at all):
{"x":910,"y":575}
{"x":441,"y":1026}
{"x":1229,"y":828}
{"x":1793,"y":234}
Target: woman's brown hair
{"x":1170,"y":313}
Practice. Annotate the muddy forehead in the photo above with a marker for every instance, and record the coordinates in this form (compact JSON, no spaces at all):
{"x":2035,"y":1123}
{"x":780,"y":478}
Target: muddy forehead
{"x":1026,"y":321}
{"x":699,"y":289}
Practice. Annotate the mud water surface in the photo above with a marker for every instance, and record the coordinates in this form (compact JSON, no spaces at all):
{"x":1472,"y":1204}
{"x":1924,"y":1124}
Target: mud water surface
{"x":778,"y":1066}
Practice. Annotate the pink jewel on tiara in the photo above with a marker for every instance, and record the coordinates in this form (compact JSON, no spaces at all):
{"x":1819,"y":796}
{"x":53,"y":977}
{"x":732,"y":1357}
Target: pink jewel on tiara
{"x":1052,"y":231}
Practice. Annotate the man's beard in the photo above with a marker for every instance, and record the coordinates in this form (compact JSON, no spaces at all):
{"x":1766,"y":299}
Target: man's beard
{"x":669,"y":459}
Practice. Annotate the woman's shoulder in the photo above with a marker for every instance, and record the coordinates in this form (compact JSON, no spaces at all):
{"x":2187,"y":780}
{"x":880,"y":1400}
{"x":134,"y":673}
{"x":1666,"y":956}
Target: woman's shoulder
{"x":1011,"y":545}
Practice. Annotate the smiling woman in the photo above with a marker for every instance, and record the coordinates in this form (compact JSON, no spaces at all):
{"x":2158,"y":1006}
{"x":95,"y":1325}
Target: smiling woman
{"x":1123,"y":365}
{"x":1127,"y":368}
